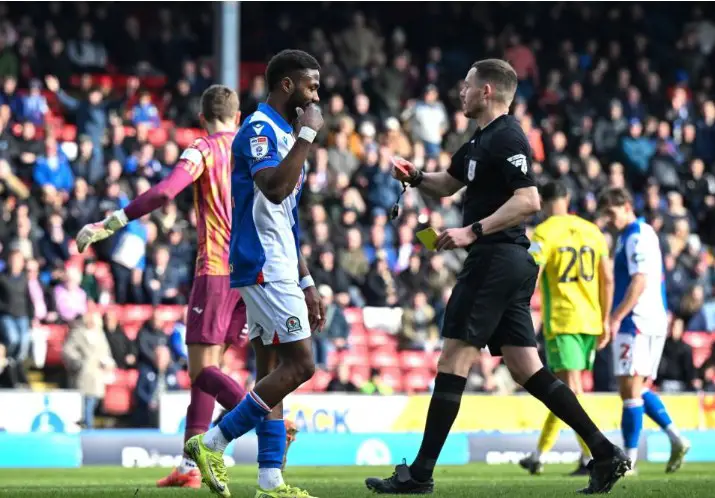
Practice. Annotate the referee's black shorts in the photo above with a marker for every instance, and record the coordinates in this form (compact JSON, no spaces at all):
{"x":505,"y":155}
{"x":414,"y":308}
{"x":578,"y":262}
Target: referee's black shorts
{"x":490,"y":304}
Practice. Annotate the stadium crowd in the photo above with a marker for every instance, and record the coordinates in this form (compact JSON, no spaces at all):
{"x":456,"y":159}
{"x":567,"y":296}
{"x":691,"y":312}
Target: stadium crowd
{"x":93,"y":112}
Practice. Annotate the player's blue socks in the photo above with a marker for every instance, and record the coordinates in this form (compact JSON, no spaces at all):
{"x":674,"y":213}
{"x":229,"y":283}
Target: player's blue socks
{"x":247,"y":415}
{"x":632,"y":424}
{"x":271,"y":443}
{"x":655,"y":409}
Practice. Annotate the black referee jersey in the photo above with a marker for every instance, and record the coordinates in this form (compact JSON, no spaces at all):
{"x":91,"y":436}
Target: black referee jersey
{"x":489,"y":305}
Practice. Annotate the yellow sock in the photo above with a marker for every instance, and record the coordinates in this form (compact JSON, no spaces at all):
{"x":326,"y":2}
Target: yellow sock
{"x":549,"y":433}
{"x":585,"y":451}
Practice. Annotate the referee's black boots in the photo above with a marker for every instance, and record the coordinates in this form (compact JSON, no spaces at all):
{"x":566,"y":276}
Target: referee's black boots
{"x":605,"y":472}
{"x":400,"y":483}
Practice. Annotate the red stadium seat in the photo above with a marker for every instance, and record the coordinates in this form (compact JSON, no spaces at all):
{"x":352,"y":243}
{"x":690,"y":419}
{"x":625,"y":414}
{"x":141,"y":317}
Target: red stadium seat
{"x":68,"y":133}
{"x":158,"y":136}
{"x":240,"y":376}
{"x":414,"y":359}
{"x":170,"y":313}
{"x":701,"y":342}
{"x":587,"y":381}
{"x":117,"y":400}
{"x":380,"y":339}
{"x":353,"y":316}
{"x":359,"y":374}
{"x":358,"y":335}
{"x":392,"y":377}
{"x":184,"y":136}
{"x":131,"y":329}
{"x":306,"y":387}
{"x":433,"y":359}
{"x":55,"y":340}
{"x":384,"y":359}
{"x":698,"y":339}
{"x":136,"y":313}
{"x":417,"y":380}
{"x":154,"y":82}
{"x":353,"y":357}
{"x":334,"y":358}
{"x":321,"y":379}
{"x":182,"y":377}
{"x":234,"y":359}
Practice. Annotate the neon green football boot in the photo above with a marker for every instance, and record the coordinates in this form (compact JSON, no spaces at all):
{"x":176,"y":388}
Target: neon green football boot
{"x":211,"y":465}
{"x":283,"y":491}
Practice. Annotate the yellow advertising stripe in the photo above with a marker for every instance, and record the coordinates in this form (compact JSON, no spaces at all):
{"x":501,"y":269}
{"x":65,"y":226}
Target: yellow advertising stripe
{"x":523,"y":412}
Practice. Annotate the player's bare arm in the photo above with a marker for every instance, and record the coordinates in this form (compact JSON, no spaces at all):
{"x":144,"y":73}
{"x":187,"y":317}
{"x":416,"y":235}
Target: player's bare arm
{"x":316,"y":307}
{"x":439,"y":184}
{"x":278,"y":183}
{"x":633,"y":293}
{"x":606,"y":286}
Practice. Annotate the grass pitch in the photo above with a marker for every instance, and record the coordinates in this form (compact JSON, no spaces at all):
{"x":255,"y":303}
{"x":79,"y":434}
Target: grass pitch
{"x":469,"y":481}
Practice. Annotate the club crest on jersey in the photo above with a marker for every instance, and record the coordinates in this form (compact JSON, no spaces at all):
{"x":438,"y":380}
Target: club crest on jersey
{"x":293,"y":325}
{"x":471,"y":169}
{"x":259,"y":147}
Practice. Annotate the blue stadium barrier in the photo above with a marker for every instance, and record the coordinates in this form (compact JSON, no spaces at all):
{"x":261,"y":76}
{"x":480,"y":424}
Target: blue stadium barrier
{"x":40,"y":450}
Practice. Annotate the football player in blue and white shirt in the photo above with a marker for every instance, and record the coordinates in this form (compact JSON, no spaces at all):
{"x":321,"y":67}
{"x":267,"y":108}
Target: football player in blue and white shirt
{"x":282,"y":304}
{"x":639,"y":323}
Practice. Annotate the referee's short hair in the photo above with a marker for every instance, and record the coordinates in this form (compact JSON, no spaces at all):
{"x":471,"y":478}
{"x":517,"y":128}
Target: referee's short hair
{"x":500,"y":75}
{"x":614,"y":197}
{"x":287,"y":61}
{"x":554,"y":190}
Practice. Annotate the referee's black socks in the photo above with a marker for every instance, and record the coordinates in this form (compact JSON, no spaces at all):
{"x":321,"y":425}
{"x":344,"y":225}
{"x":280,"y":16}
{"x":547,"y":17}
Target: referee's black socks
{"x":443,"y":410}
{"x":562,"y":402}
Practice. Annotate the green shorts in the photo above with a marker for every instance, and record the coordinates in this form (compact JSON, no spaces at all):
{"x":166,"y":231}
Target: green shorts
{"x":571,"y":352}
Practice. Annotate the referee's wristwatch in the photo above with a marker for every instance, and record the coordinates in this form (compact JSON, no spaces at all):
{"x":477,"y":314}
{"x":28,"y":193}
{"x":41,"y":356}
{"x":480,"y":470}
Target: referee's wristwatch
{"x":416,"y":179}
{"x":477,"y":229}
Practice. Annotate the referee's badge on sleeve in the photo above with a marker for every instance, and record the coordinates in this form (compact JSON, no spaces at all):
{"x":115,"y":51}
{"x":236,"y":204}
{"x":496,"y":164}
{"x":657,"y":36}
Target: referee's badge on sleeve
{"x":259,"y":147}
{"x":471,"y":169}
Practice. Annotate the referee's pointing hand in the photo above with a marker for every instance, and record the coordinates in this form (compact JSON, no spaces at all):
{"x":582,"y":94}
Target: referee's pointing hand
{"x":452,"y":238}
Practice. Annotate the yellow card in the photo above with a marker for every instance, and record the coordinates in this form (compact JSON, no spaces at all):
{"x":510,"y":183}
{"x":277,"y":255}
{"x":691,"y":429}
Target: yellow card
{"x":428,"y":237}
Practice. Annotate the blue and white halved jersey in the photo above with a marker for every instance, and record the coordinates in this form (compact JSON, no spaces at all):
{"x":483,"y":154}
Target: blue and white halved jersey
{"x":264,"y":236}
{"x":638,"y":251}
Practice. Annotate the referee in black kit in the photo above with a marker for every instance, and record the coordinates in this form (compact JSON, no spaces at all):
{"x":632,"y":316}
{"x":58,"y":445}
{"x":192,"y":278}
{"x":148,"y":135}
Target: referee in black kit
{"x":490,"y":302}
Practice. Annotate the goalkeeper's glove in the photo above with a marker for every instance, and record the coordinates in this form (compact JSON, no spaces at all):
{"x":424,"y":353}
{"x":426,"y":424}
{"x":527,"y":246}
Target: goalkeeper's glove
{"x":94,"y":232}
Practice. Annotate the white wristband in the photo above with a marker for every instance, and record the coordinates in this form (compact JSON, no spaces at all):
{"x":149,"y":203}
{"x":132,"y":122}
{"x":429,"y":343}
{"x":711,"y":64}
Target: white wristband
{"x":306,"y":282}
{"x":307,"y":134}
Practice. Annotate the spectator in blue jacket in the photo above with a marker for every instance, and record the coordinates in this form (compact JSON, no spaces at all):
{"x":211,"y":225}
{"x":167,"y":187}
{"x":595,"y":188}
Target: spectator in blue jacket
{"x":161,"y":283}
{"x":53,"y":168}
{"x":705,"y":134}
{"x":88,"y":164}
{"x":637,"y":151}
{"x":90,"y":114}
{"x":157,"y":373}
{"x":11,"y":99}
{"x":146,"y":112}
{"x":383,"y":190}
{"x":35,"y":104}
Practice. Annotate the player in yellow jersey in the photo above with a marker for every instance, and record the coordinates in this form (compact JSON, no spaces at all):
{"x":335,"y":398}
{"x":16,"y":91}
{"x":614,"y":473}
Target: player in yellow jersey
{"x":576,"y":281}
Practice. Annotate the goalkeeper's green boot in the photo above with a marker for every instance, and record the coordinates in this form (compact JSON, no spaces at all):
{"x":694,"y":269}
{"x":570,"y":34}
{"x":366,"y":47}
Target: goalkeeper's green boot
{"x":283,"y":491}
